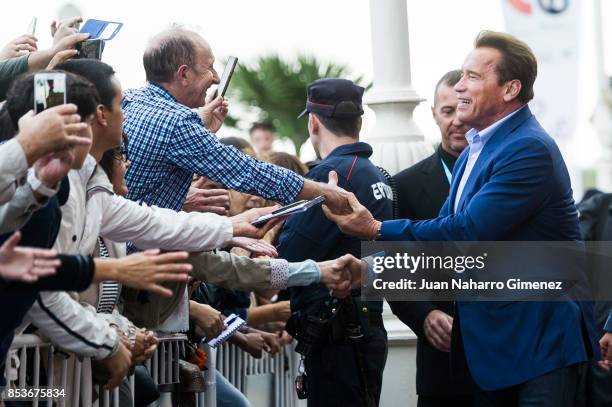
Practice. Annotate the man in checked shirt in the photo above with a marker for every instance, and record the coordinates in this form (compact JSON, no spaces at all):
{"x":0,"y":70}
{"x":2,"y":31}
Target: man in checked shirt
{"x":169,"y":142}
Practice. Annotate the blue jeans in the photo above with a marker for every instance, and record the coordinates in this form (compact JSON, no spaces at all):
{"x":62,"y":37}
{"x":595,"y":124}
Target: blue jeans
{"x":228,"y":395}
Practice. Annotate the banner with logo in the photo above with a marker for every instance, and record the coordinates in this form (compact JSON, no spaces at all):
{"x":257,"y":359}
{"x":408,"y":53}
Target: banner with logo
{"x":551,"y":28}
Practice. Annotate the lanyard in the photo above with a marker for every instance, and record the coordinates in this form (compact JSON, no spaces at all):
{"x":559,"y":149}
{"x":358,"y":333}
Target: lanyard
{"x":449,"y":176}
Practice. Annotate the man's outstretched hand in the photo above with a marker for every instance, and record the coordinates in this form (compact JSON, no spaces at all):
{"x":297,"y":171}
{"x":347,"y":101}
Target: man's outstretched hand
{"x":256,"y":247}
{"x":358,"y":221}
{"x":242,"y":222}
{"x":25,"y":264}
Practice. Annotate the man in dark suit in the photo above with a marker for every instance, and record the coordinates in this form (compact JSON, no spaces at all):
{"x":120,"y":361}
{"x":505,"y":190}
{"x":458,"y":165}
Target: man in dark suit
{"x":510,"y":184}
{"x":421,"y":192}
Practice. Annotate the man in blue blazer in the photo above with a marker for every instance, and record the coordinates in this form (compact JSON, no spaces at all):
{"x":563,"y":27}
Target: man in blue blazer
{"x":510,"y":184}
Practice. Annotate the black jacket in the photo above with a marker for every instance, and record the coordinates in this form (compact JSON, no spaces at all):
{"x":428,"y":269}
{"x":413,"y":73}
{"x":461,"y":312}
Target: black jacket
{"x":421,"y":191}
{"x":310,"y":235}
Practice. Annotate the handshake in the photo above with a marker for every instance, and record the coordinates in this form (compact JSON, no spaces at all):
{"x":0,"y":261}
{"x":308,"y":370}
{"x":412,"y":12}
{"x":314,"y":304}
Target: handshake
{"x":342,"y":274}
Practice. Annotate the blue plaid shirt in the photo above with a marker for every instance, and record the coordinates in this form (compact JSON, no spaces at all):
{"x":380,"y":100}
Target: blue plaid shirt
{"x":168,"y":143}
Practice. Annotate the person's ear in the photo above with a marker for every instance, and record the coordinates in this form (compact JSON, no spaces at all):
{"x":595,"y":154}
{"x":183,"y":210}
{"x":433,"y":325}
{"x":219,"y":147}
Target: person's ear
{"x":512,"y":90}
{"x":182,"y":74}
{"x":313,"y":123}
{"x":101,"y":115}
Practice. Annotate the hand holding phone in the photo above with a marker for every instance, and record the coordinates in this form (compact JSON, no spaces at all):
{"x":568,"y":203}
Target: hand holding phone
{"x":291,"y":209}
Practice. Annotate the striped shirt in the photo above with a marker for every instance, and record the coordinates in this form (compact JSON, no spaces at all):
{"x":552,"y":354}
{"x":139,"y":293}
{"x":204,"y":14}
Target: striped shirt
{"x":108,"y":296}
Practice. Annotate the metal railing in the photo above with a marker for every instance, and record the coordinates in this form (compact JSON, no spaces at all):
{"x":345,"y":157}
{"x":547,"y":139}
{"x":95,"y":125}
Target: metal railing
{"x":163,"y":367}
{"x":34,"y":362}
{"x":237,"y":365}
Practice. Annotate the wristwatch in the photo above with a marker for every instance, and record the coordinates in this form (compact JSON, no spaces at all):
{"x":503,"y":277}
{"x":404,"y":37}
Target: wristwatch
{"x":38,"y":187}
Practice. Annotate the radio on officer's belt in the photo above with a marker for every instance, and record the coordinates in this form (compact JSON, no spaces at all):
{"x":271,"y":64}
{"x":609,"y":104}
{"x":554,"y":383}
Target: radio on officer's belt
{"x":291,"y":209}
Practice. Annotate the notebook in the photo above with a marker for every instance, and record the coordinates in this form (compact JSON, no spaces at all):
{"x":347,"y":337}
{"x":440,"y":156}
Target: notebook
{"x":233,"y":323}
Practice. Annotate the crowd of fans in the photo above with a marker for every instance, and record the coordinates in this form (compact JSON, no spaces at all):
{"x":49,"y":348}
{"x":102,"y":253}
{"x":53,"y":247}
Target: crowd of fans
{"x":124,"y":217}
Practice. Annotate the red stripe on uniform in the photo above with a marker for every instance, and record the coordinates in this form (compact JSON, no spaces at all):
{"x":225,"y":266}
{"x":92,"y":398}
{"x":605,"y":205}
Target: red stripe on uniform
{"x":351,"y":170}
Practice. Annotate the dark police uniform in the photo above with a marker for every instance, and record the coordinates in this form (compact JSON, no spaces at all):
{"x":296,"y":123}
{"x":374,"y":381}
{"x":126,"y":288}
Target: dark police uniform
{"x":333,"y":377}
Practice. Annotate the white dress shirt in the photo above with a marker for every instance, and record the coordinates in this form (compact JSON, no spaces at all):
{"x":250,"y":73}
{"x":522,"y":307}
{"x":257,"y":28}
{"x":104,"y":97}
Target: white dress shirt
{"x":476,"y":141}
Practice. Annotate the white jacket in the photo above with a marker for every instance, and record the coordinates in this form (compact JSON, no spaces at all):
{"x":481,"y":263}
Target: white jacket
{"x":13,"y":169}
{"x":70,"y":326}
{"x":17,"y":200}
{"x":93,"y":210}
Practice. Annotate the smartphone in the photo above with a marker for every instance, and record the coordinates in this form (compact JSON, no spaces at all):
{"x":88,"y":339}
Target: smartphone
{"x":32,"y":27}
{"x":90,"y":49}
{"x":226,"y":76}
{"x":49,"y":90}
{"x":103,"y":30}
{"x":292,"y":209}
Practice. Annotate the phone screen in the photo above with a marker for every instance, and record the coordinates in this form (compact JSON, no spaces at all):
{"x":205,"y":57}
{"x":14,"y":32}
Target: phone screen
{"x":49,"y":90}
{"x":109,"y":30}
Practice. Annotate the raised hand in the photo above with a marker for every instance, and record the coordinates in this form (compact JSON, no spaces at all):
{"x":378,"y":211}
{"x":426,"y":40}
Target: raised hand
{"x":206,"y":200}
{"x":61,"y":57}
{"x":254,"y":246}
{"x":17,"y":47}
{"x":147,"y":270}
{"x":64,"y":28}
{"x":214,"y":111}
{"x":50,"y":131}
{"x":359,"y":222}
{"x":242,"y":222}
{"x":24,"y":263}
{"x":52,"y":168}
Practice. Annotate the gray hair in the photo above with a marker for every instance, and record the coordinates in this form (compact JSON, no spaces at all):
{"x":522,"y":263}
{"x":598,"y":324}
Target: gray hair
{"x":451,"y":78}
{"x":166,"y":52}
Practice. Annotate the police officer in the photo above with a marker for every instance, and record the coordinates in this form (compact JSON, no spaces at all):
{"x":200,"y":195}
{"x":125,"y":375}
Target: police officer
{"x":344,"y":341}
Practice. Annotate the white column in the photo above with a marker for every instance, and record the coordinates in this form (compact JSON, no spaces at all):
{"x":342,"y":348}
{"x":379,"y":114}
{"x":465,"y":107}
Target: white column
{"x":602,"y":117}
{"x":398,"y":143}
{"x":397,"y":140}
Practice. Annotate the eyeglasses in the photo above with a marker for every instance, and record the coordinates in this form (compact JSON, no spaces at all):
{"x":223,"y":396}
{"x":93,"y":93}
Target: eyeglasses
{"x":120,"y":154}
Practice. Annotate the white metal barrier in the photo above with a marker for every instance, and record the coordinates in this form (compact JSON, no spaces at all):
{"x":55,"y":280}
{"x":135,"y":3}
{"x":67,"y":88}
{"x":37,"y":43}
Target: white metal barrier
{"x":163,"y":367}
{"x":236,"y":365}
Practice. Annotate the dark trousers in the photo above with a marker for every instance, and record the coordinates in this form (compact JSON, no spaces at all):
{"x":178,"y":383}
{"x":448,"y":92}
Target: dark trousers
{"x":559,"y":388}
{"x":454,"y":401}
{"x":333,"y":378}
{"x":598,"y":386}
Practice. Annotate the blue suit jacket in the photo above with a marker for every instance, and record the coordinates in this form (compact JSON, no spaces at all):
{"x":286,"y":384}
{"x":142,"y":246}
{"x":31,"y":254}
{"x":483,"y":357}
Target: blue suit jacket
{"x":519,"y":189}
